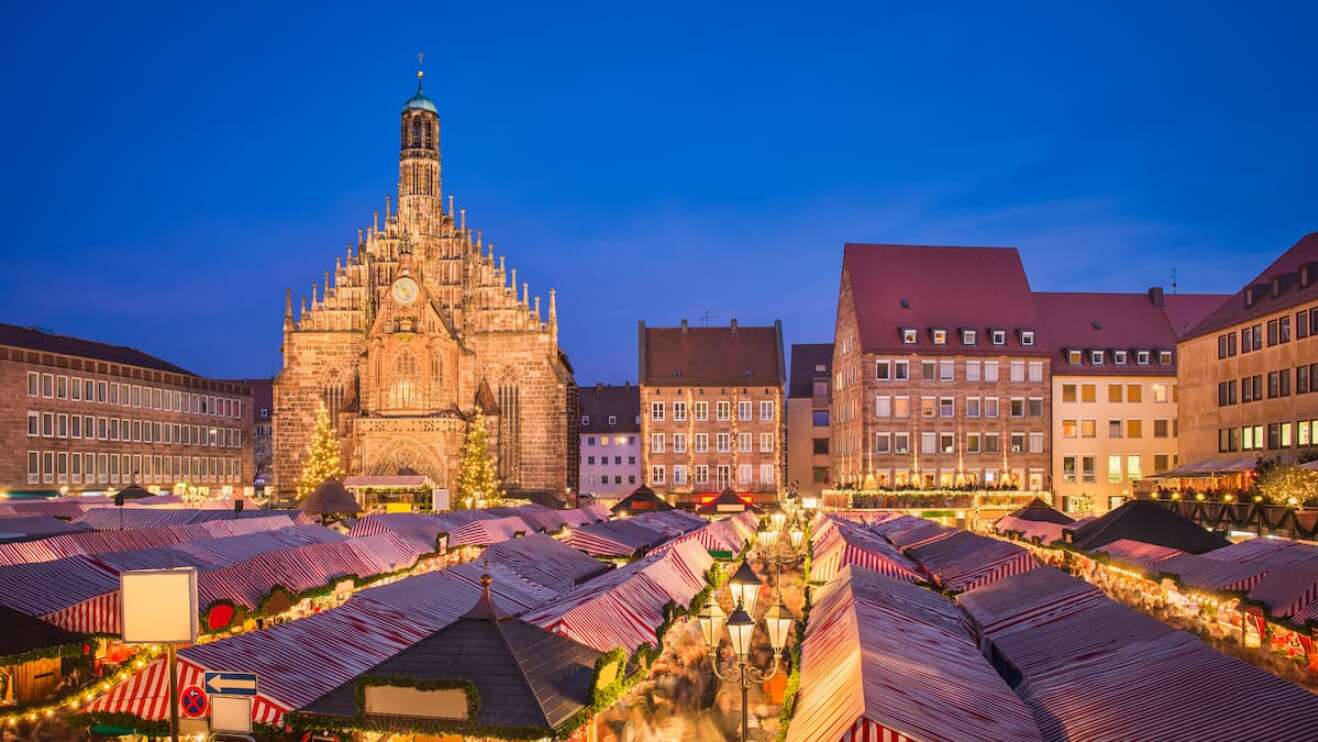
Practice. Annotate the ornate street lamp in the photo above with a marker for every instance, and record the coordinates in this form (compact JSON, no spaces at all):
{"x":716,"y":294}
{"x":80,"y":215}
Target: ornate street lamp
{"x":796,"y":535}
{"x":741,"y":628}
{"x":745,"y":587}
{"x":778,"y":519}
{"x":768,"y":538}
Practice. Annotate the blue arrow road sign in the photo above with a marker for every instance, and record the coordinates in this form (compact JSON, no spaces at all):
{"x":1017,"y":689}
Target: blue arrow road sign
{"x":230,"y":683}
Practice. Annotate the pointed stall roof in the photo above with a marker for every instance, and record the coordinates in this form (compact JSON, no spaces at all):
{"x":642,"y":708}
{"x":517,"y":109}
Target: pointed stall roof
{"x":525,"y":677}
{"x":1150,"y":523}
{"x":21,"y":634}
{"x":727,"y":502}
{"x":641,"y":500}
{"x":330,"y":498}
{"x":1039,"y":511}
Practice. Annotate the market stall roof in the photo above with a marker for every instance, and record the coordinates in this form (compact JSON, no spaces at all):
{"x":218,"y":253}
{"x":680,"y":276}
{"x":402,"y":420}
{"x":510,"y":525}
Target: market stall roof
{"x":885,"y":660}
{"x":122,"y":519}
{"x":133,"y":491}
{"x":1138,"y":553}
{"x":387,"y":481}
{"x":615,"y":538}
{"x":965,"y":561}
{"x":527,"y":678}
{"x":857,"y":545}
{"x":488,"y":531}
{"x":906,"y":531}
{"x":722,"y":538}
{"x":23,"y":528}
{"x":1149,"y":522}
{"x":330,"y":498}
{"x":1040,"y":511}
{"x":1031,"y":598}
{"x":21,"y":633}
{"x":101,"y":542}
{"x":641,"y":500}
{"x":726,"y":502}
{"x":1207,"y":468}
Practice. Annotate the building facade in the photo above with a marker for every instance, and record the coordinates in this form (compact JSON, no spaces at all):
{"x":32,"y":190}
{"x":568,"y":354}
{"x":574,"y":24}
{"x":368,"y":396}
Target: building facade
{"x":419,"y":330}
{"x":263,"y":403}
{"x":940,"y":370}
{"x":809,"y":465}
{"x":1114,"y":389}
{"x":1247,"y":371}
{"x":90,"y":417}
{"x":712,"y":411}
{"x":610,"y":467}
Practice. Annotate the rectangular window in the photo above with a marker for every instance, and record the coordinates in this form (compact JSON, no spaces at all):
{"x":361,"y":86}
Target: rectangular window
{"x":972,"y":407}
{"x":679,"y":474}
{"x":1088,"y":393}
{"x":901,"y":407}
{"x":901,"y":442}
{"x":1088,"y":428}
{"x":1134,"y":428}
{"x":1115,"y":429}
{"x":679,"y":411}
{"x":882,"y":442}
{"x":946,"y":370}
{"x":946,"y":443}
{"x":1017,"y":407}
{"x":657,"y":474}
{"x":1114,"y":469}
{"x":656,"y":442}
{"x":744,"y":411}
{"x":723,"y":442}
{"x":1068,"y":392}
{"x":946,"y":407}
{"x":883,"y":370}
{"x":928,"y":407}
{"x":33,"y":423}
{"x":701,"y":411}
{"x":928,"y":370}
{"x":744,"y":442}
{"x":1018,"y":443}
{"x":972,"y":370}
{"x":1036,"y":371}
{"x":766,"y":442}
{"x":1070,"y":429}
{"x":702,"y":442}
{"x":819,"y":446}
{"x":972,"y":442}
{"x":1134,"y":393}
{"x":991,"y":443}
{"x":1115,"y":392}
{"x":48,"y":424}
{"x":75,"y":388}
{"x":1034,"y":407}
{"x":990,"y":407}
{"x":1036,"y":442}
{"x":1018,"y":371}
{"x":1087,"y":469}
{"x":1302,"y":380}
{"x":883,"y":406}
{"x":744,"y":474}
{"x":47,"y":385}
{"x":1068,"y":469}
{"x":1161,"y":428}
{"x":901,"y":370}
{"x":990,"y":370}
{"x":33,"y":384}
{"x":767,"y":410}
{"x":929,"y":443}
{"x":657,"y":411}
{"x":723,"y":410}
{"x":702,"y":473}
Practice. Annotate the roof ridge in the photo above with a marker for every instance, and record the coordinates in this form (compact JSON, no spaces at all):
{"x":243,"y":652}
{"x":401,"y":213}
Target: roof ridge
{"x":517,"y":662}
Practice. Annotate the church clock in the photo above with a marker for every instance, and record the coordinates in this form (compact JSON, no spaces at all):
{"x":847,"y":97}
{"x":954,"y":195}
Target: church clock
{"x":404,"y":290}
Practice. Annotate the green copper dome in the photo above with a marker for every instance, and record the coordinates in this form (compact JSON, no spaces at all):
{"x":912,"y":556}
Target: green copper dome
{"x":420,"y":102}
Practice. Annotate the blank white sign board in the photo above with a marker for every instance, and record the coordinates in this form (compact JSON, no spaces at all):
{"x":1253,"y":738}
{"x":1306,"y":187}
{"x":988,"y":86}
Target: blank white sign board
{"x":231,"y":714}
{"x":159,"y":605}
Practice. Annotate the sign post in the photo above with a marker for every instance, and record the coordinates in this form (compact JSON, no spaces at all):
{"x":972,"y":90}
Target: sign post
{"x":229,"y":683}
{"x":159,"y":606}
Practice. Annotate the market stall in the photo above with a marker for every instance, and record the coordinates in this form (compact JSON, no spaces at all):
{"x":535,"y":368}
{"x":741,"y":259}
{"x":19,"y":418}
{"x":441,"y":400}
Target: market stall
{"x":964,"y":561}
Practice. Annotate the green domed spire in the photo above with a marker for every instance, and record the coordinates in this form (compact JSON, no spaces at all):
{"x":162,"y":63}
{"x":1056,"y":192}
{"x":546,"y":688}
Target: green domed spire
{"x":420,"y":101}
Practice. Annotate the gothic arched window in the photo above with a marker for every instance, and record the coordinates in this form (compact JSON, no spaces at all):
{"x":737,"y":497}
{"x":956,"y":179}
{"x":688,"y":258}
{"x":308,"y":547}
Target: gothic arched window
{"x":403,"y":386}
{"x":417,"y":127}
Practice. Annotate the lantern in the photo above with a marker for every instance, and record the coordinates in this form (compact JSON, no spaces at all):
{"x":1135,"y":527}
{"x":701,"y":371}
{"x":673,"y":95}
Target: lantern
{"x":778,"y":622}
{"x":740,"y":628}
{"x":796,"y":535}
{"x":769,"y":539}
{"x":711,"y":622}
{"x":745,"y":587}
{"x":778,"y":519}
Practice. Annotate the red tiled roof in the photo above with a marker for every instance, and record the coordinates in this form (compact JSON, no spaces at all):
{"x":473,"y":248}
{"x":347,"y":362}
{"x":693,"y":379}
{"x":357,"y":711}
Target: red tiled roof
{"x":39,"y":340}
{"x":1098,"y":321}
{"x":923,"y":287}
{"x":600,"y":401}
{"x":1285,"y":268}
{"x":712,"y":356}
{"x":805,"y":356}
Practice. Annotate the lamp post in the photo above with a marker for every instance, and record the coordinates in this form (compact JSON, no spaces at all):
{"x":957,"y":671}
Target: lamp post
{"x":745,"y":587}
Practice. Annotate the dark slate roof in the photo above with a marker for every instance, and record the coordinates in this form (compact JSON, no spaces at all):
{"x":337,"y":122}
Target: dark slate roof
{"x":20,"y":633}
{"x":1083,"y":321}
{"x":923,"y":287}
{"x":525,"y":676}
{"x":1041,"y":512}
{"x":806,"y":357}
{"x":728,"y":497}
{"x":330,"y":498}
{"x":263,"y":397}
{"x":1148,"y":522}
{"x":47,"y":342}
{"x":1285,"y":271}
{"x":600,"y":401}
{"x":641,"y":500}
{"x":27,"y":527}
{"x":712,"y":356}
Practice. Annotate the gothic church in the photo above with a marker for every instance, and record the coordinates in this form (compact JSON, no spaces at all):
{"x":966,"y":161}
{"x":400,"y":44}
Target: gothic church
{"x":419,"y":330}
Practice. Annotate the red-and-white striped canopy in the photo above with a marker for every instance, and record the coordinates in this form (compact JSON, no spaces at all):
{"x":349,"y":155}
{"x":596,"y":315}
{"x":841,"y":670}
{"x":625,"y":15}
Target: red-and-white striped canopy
{"x":964,"y":561}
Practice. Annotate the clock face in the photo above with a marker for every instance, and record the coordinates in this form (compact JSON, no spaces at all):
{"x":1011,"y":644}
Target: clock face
{"x":404,"y":290}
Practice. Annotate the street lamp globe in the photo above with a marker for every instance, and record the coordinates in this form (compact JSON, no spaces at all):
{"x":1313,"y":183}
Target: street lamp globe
{"x":796,"y":535}
{"x":769,"y":538}
{"x":778,"y":622}
{"x":745,"y":587}
{"x":778,"y":519}
{"x":711,"y":622}
{"x":740,"y":628}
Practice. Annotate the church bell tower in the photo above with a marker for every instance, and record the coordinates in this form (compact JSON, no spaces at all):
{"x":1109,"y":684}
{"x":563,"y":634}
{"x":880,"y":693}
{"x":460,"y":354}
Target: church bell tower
{"x":418,"y":163}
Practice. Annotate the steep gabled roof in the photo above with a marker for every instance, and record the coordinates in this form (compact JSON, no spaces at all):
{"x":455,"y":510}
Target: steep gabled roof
{"x":806,"y":360}
{"x":330,"y":498}
{"x":601,"y":401}
{"x":641,"y":500}
{"x":926,"y":288}
{"x":21,"y":633}
{"x":1041,"y":512}
{"x":712,"y":356}
{"x":1285,"y":270}
{"x":1148,"y":522}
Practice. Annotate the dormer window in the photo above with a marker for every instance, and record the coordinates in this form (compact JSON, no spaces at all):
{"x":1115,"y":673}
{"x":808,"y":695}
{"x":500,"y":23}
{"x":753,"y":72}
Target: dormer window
{"x":613,"y":419}
{"x":999,"y":337}
{"x":585,"y":421}
{"x":1119,"y":357}
{"x":1027,"y":337}
{"x":910,"y":335}
{"x":1142,"y":357}
{"x":967,"y":337}
{"x":1165,"y":357}
{"x":1075,"y":357}
{"x":1096,"y":357}
{"x":821,"y":368}
{"x":939,"y":336}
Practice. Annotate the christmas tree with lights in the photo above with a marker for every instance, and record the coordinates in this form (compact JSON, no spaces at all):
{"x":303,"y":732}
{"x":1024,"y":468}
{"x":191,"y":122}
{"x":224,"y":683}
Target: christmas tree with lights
{"x":322,"y":456}
{"x":477,"y":481}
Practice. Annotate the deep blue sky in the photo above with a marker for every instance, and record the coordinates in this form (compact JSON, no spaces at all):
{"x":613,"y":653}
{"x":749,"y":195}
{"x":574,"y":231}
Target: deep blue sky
{"x":169,"y":170}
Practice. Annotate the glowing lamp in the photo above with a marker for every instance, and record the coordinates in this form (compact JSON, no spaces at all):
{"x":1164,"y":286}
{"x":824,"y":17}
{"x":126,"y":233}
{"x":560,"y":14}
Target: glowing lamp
{"x":1228,"y":497}
{"x":796,"y":535}
{"x":1292,"y":501}
{"x":1258,"y":498}
{"x":1199,"y":497}
{"x":809,"y":503}
{"x":745,"y":587}
{"x":778,"y":622}
{"x":1176,"y":495}
{"x":740,"y":628}
{"x":769,"y":538}
{"x":778,"y":519}
{"x":711,"y":622}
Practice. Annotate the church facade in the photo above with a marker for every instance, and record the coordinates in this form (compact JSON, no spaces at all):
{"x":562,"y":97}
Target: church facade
{"x":419,"y":330}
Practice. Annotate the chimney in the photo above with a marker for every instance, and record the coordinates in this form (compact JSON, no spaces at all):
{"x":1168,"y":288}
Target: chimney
{"x":734,"y":325}
{"x":1156,"y":296}
{"x":685,"y":326}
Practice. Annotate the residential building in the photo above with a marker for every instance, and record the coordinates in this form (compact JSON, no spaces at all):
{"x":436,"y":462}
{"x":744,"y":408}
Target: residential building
{"x":712,"y":411}
{"x":263,"y":407}
{"x":416,"y":333}
{"x":809,"y":466}
{"x":940,"y":370}
{"x":1247,"y":371}
{"x":86,"y":416}
{"x":1114,"y":389}
{"x":610,"y":466}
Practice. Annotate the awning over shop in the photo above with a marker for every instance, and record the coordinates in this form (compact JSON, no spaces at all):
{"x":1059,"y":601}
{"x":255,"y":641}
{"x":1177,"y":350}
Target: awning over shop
{"x":395,"y":481}
{"x":1207,"y":468}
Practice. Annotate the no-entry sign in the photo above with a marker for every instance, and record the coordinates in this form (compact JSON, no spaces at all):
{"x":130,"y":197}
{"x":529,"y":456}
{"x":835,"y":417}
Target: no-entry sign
{"x":193,"y":702}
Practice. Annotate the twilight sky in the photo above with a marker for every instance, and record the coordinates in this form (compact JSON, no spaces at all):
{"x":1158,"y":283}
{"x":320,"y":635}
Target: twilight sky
{"x":168,"y":171}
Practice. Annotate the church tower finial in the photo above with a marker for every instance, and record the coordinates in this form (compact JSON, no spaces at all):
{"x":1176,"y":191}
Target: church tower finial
{"x":419,"y":200}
